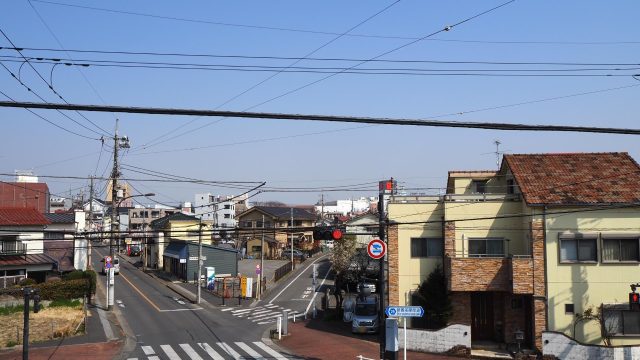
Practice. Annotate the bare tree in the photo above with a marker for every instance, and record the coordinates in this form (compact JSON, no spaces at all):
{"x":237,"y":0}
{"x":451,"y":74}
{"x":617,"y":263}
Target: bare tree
{"x":597,"y":315}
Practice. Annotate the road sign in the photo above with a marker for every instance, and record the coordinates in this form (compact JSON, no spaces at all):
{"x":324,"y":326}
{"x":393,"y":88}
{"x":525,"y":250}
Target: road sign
{"x":376,"y":249}
{"x":258,"y":269}
{"x":404,"y":311}
{"x":107,"y":262}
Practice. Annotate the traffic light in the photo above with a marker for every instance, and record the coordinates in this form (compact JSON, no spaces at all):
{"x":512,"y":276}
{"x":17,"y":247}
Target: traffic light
{"x":634,"y":301}
{"x":328,"y":233}
{"x":36,"y":302}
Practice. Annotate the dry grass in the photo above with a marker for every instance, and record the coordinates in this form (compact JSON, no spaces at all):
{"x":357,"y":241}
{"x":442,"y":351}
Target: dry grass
{"x":49,"y":323}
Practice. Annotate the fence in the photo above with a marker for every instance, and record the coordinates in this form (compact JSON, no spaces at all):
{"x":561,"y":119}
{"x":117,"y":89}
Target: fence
{"x":282,"y":271}
{"x":8,"y":281}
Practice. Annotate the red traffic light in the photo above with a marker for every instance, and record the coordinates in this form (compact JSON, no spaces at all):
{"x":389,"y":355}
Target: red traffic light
{"x":634,"y":301}
{"x":336,"y":234}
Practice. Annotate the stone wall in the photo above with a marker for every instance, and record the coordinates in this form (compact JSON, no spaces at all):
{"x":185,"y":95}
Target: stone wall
{"x":522,"y":275}
{"x":539,"y":285}
{"x":392,"y":258}
{"x":461,"y":308}
{"x":563,"y":347}
{"x":480,"y":274}
{"x":436,"y":341}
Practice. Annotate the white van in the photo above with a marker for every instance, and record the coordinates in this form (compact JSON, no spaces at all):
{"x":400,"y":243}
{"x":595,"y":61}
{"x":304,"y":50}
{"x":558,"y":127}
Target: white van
{"x":365,"y":315}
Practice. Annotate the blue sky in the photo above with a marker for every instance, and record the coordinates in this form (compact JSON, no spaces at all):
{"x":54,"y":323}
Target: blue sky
{"x":343,"y":154}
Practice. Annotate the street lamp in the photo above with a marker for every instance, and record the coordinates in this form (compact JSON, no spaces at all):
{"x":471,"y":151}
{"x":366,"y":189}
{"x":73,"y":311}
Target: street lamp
{"x":115,"y":211}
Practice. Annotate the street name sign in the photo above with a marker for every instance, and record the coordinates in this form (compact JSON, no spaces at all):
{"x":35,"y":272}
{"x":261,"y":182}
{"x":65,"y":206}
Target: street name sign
{"x":376,"y":249}
{"x":404,"y":311}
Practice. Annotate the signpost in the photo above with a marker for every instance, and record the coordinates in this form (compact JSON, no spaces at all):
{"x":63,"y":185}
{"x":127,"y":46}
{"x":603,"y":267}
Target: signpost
{"x":404,"y":312}
{"x":376,"y":249}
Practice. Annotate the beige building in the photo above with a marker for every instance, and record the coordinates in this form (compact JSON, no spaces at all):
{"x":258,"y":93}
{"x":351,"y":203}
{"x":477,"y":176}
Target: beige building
{"x":277,"y":223}
{"x":176,"y":226}
{"x":527,"y":247}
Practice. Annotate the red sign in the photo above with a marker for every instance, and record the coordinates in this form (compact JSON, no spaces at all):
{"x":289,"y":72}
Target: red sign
{"x":376,"y":249}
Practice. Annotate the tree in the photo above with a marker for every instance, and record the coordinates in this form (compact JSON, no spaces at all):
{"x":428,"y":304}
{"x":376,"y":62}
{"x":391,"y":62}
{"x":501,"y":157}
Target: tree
{"x":341,"y":258}
{"x":589,"y":314}
{"x":433,"y":296}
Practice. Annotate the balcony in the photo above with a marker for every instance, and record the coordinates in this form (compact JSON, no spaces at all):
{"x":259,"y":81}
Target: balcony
{"x":481,"y":197}
{"x":13,"y":248}
{"x":512,"y":274}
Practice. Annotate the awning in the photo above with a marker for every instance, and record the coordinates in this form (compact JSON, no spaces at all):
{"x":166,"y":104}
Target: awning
{"x":176,"y":250}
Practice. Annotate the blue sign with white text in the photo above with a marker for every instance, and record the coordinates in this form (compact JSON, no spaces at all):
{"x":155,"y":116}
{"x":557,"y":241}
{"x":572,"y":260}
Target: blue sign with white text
{"x":404,"y":311}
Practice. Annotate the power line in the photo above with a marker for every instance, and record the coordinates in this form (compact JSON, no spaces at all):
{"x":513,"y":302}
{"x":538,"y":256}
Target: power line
{"x":286,"y":69}
{"x":318,"y":32}
{"x":44,"y":118}
{"x":326,"y":118}
{"x":48,"y":84}
{"x":445,"y":29}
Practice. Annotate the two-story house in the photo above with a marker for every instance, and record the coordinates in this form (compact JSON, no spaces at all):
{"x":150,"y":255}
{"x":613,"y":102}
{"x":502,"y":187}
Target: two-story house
{"x":527,"y":247}
{"x":21,"y":246}
{"x":174,"y":227}
{"x":277,"y":223}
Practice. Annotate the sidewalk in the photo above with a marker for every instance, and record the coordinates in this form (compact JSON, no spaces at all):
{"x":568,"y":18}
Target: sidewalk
{"x":95,"y":351}
{"x":332,"y":339}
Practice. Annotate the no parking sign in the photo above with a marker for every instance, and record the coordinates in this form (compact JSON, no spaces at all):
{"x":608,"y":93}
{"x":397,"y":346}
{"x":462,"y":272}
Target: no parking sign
{"x":376,"y":249}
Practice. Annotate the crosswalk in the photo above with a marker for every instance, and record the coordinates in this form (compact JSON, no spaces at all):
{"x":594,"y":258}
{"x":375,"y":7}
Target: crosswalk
{"x":262,"y":314}
{"x":215,"y":351}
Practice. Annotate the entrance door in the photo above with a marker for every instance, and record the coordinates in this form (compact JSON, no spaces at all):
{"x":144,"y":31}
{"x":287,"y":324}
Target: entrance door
{"x":481,"y":316}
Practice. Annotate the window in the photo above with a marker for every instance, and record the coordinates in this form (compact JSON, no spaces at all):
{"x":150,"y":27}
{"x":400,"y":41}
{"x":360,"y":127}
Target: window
{"x":426,"y":247}
{"x":227,"y":216}
{"x":479,"y":186}
{"x":568,"y":309}
{"x":620,"y":249}
{"x":267,"y":224}
{"x":620,"y":321}
{"x":155,"y":214}
{"x":511,"y":186}
{"x":247,"y":224}
{"x":486,"y":247}
{"x":227,"y":206}
{"x":578,"y":248}
{"x":259,"y":224}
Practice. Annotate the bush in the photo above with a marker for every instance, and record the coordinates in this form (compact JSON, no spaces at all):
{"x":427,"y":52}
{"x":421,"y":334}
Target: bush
{"x":27,"y":282}
{"x":70,"y":289}
{"x":90,"y":275}
{"x":66,"y":303}
{"x":74,"y":275}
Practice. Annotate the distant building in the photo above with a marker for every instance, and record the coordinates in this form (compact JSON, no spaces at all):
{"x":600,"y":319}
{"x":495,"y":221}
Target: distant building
{"x":344,"y":207}
{"x":25,"y":192}
{"x":219,"y":210}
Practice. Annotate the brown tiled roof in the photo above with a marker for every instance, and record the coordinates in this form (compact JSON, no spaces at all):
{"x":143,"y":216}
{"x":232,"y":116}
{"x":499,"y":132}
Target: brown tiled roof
{"x":11,"y":216}
{"x":576,"y":178}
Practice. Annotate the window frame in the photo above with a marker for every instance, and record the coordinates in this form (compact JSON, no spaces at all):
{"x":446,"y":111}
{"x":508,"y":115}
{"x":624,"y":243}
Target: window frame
{"x":425,"y":249}
{"x":619,"y":237}
{"x":485,"y":239}
{"x":621,"y":309}
{"x":482,"y":184}
{"x":577,"y":237}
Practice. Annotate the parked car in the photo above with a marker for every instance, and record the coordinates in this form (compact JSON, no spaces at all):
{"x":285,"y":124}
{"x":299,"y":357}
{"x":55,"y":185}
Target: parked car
{"x":115,"y":263}
{"x":365,"y":315}
{"x":135,"y":250}
{"x":297,"y":254}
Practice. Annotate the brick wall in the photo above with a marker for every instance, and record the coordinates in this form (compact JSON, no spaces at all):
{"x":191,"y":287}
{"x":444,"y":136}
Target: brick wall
{"x":480,"y":274}
{"x":514,"y":319}
{"x":392,"y":258}
{"x":449,"y":238}
{"x":522,"y":275}
{"x":461,"y":308}
{"x":539,"y":286}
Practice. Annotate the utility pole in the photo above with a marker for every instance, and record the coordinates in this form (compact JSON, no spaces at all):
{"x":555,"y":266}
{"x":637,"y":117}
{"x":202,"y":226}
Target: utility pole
{"x":199,"y":261}
{"x":90,"y":222}
{"x":292,"y":263}
{"x":261,"y":261}
{"x":118,"y":142}
{"x":386,"y":187}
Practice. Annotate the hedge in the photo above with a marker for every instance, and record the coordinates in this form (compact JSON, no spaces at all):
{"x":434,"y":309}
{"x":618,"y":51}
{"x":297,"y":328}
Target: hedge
{"x":68,"y":289}
{"x":88,"y":274}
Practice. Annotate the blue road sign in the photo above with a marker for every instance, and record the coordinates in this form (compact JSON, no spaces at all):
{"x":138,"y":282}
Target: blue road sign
{"x":404,"y":311}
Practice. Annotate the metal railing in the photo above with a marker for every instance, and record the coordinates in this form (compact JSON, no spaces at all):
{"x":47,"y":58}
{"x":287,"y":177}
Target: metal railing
{"x":282,"y":271}
{"x":11,"y":280}
{"x":12,"y":248}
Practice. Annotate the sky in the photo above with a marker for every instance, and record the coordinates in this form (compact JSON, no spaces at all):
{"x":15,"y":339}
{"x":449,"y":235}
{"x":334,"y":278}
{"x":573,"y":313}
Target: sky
{"x":286,"y":57}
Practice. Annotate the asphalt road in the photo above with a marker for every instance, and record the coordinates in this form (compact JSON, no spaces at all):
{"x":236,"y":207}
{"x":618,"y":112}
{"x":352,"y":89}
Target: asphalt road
{"x":166,"y":326}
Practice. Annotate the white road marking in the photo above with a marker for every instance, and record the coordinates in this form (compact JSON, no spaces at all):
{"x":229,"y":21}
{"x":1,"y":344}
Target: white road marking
{"x":214,"y":354}
{"x":194,"y":309}
{"x":306,"y":311}
{"x":119,"y":301}
{"x":170,"y":352}
{"x":296,"y":278}
{"x":242,"y":310}
{"x":249,"y":351}
{"x":226,"y":309}
{"x":189,"y":350}
{"x":148,"y":350}
{"x":269,"y":350}
{"x":229,"y":350}
{"x":180,"y":302}
{"x":153,"y":358}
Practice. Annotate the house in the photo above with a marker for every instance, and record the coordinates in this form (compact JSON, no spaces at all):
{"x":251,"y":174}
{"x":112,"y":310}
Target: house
{"x":527,"y":247}
{"x":25,"y":194}
{"x":276,"y":222}
{"x":140,"y":219}
{"x":177,"y":226}
{"x":365,"y":226}
{"x":64,"y":242}
{"x":21,"y":246}
{"x":181,"y":259}
{"x":271,"y":248}
{"x":95,"y":211}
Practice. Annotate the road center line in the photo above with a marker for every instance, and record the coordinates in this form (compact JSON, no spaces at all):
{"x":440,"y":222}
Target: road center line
{"x":140,"y":292}
{"x":296,"y":278}
{"x":316,"y":293}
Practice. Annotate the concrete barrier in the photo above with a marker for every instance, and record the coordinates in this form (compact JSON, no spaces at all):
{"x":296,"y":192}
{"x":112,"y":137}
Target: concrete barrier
{"x":437,"y":341}
{"x":563,"y":347}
